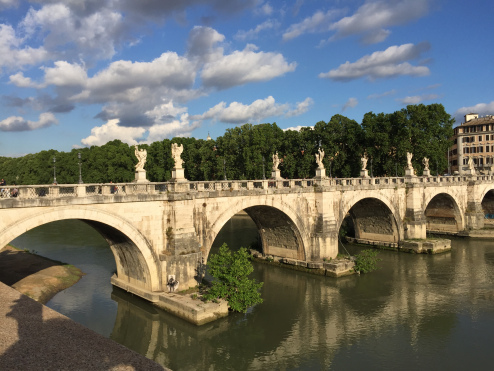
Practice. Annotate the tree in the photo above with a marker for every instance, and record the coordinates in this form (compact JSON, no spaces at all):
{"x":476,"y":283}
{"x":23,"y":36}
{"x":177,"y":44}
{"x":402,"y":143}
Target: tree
{"x":231,"y":279}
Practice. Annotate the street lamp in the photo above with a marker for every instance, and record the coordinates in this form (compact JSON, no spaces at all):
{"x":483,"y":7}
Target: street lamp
{"x":80,"y":174}
{"x":54,"y":170}
{"x":224,"y":168}
{"x":263,"y":172}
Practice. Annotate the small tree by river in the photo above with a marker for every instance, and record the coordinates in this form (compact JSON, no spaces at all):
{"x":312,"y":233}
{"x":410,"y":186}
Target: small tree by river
{"x":230,"y":272}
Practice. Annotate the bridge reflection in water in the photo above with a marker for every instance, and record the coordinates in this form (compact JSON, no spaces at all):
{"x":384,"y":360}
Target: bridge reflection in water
{"x":415,"y":312}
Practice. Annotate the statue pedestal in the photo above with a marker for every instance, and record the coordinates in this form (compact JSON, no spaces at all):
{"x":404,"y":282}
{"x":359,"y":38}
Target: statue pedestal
{"x":364,"y":173}
{"x":178,"y":175}
{"x":426,"y":173}
{"x":275,"y":174}
{"x":140,"y":176}
{"x":320,"y":173}
{"x":469,"y":172}
{"x":409,"y":171}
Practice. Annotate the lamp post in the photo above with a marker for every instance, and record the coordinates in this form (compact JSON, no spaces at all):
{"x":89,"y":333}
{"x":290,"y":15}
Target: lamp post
{"x":54,"y":170}
{"x":263,"y":172}
{"x":224,"y":168}
{"x":80,"y":174}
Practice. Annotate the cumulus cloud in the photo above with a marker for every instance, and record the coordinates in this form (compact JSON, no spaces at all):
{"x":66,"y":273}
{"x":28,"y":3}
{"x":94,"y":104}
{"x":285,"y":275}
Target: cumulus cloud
{"x":111,"y":131}
{"x":237,"y":113}
{"x":416,"y":99}
{"x":371,"y":18}
{"x":298,"y":128}
{"x":350,"y":103}
{"x":246,"y":66}
{"x":391,"y":62}
{"x":17,"y":123}
{"x":14,"y":53}
{"x":482,"y":109}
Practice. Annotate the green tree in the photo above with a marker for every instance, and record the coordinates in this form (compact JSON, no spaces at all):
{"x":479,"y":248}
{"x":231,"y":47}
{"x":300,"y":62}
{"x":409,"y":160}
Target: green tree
{"x":231,"y":279}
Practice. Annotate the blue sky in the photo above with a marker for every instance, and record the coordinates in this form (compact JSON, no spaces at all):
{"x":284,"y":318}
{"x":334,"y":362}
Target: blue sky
{"x":77,"y":73}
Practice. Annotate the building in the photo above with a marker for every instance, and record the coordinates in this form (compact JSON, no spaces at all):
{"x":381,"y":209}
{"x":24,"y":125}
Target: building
{"x":474,"y":139}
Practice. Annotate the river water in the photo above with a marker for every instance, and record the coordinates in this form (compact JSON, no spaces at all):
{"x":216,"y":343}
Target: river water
{"x":415,"y":312}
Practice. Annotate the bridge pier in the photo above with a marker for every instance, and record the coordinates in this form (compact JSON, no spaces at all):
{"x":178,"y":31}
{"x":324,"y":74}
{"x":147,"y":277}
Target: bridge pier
{"x":414,"y":223}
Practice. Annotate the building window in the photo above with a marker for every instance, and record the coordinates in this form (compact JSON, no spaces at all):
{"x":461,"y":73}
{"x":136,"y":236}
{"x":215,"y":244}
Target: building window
{"x":480,"y":138}
{"x":487,"y":148}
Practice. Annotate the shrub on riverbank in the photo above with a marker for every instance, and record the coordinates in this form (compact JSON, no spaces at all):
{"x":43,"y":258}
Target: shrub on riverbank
{"x":366,"y":261}
{"x":230,"y":272}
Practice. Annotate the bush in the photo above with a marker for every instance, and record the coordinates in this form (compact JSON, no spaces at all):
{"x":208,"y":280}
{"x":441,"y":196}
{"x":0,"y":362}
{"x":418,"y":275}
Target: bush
{"x":366,"y":261}
{"x":230,"y":279}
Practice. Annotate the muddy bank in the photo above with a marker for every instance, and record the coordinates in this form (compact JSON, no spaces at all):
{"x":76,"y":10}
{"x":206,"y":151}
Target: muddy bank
{"x":35,"y":276}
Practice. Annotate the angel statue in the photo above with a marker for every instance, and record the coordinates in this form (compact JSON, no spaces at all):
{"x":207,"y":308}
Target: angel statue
{"x":363,"y":159}
{"x":425,"y":162}
{"x":141,"y":155}
{"x":409,"y":160}
{"x":319,"y":157}
{"x":176,"y":152}
{"x":276,"y":161}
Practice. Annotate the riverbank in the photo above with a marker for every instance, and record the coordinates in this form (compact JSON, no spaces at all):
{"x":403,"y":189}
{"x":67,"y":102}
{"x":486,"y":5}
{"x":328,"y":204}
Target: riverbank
{"x":35,"y":276}
{"x":35,"y":337}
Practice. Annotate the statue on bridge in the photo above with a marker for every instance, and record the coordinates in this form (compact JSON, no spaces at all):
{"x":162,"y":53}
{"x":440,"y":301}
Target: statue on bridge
{"x":409,"y":160}
{"x":176,"y":152}
{"x":141,"y":155}
{"x":425,"y":162}
{"x":319,"y":157}
{"x":276,"y":161}
{"x":363,"y":159}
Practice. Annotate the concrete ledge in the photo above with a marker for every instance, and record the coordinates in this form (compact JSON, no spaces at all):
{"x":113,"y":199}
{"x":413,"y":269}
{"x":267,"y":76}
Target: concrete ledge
{"x":183,"y":306}
{"x":426,"y":246}
{"x":477,"y":233}
{"x":339,"y":268}
{"x":143,"y":293}
{"x":192,"y":310}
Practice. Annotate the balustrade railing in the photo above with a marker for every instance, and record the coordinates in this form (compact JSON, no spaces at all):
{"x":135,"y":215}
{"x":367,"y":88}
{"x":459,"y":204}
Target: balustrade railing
{"x":125,"y":189}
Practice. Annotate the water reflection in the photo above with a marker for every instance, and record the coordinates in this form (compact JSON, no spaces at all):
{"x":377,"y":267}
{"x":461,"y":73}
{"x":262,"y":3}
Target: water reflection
{"x":417,"y":311}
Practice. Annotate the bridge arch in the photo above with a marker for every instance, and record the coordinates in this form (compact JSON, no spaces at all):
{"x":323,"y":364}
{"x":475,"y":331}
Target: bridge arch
{"x":487,"y":201}
{"x":442,"y":213}
{"x":135,"y":260}
{"x":276,"y":221}
{"x":374,"y":217}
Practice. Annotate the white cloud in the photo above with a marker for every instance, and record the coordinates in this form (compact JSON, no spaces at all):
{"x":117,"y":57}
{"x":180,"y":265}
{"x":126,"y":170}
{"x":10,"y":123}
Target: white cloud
{"x":4,"y":4}
{"x":17,"y":123}
{"x":350,"y":103}
{"x":371,"y":18}
{"x":246,"y":66}
{"x":416,"y":99}
{"x":301,"y":107}
{"x":298,"y":128}
{"x":318,"y":22}
{"x":237,"y":113}
{"x":21,"y":81}
{"x":13,"y":54}
{"x":482,"y":109}
{"x":111,"y":131}
{"x":93,"y":34}
{"x":177,"y":128}
{"x":382,"y":64}
{"x":254,"y":32}
{"x":65,"y":74}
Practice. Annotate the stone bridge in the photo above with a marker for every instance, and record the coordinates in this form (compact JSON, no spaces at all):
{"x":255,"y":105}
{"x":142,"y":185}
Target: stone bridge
{"x":159,"y":229}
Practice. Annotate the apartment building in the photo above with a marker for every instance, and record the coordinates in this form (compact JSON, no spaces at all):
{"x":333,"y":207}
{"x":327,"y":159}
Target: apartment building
{"x":473,"y":138}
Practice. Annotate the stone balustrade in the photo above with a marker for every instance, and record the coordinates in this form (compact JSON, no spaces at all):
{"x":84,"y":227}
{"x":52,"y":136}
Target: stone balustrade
{"x":122,"y":189}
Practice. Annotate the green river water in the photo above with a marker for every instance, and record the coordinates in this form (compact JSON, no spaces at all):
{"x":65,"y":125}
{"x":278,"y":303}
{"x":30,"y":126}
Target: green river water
{"x":417,"y":312}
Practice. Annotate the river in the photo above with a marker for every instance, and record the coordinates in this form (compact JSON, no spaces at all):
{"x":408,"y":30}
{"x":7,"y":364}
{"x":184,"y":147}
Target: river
{"x":415,"y":312}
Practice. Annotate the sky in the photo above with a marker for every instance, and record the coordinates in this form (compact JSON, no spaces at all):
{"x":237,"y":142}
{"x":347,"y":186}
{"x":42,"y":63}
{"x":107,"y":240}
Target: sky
{"x":78,"y":73}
